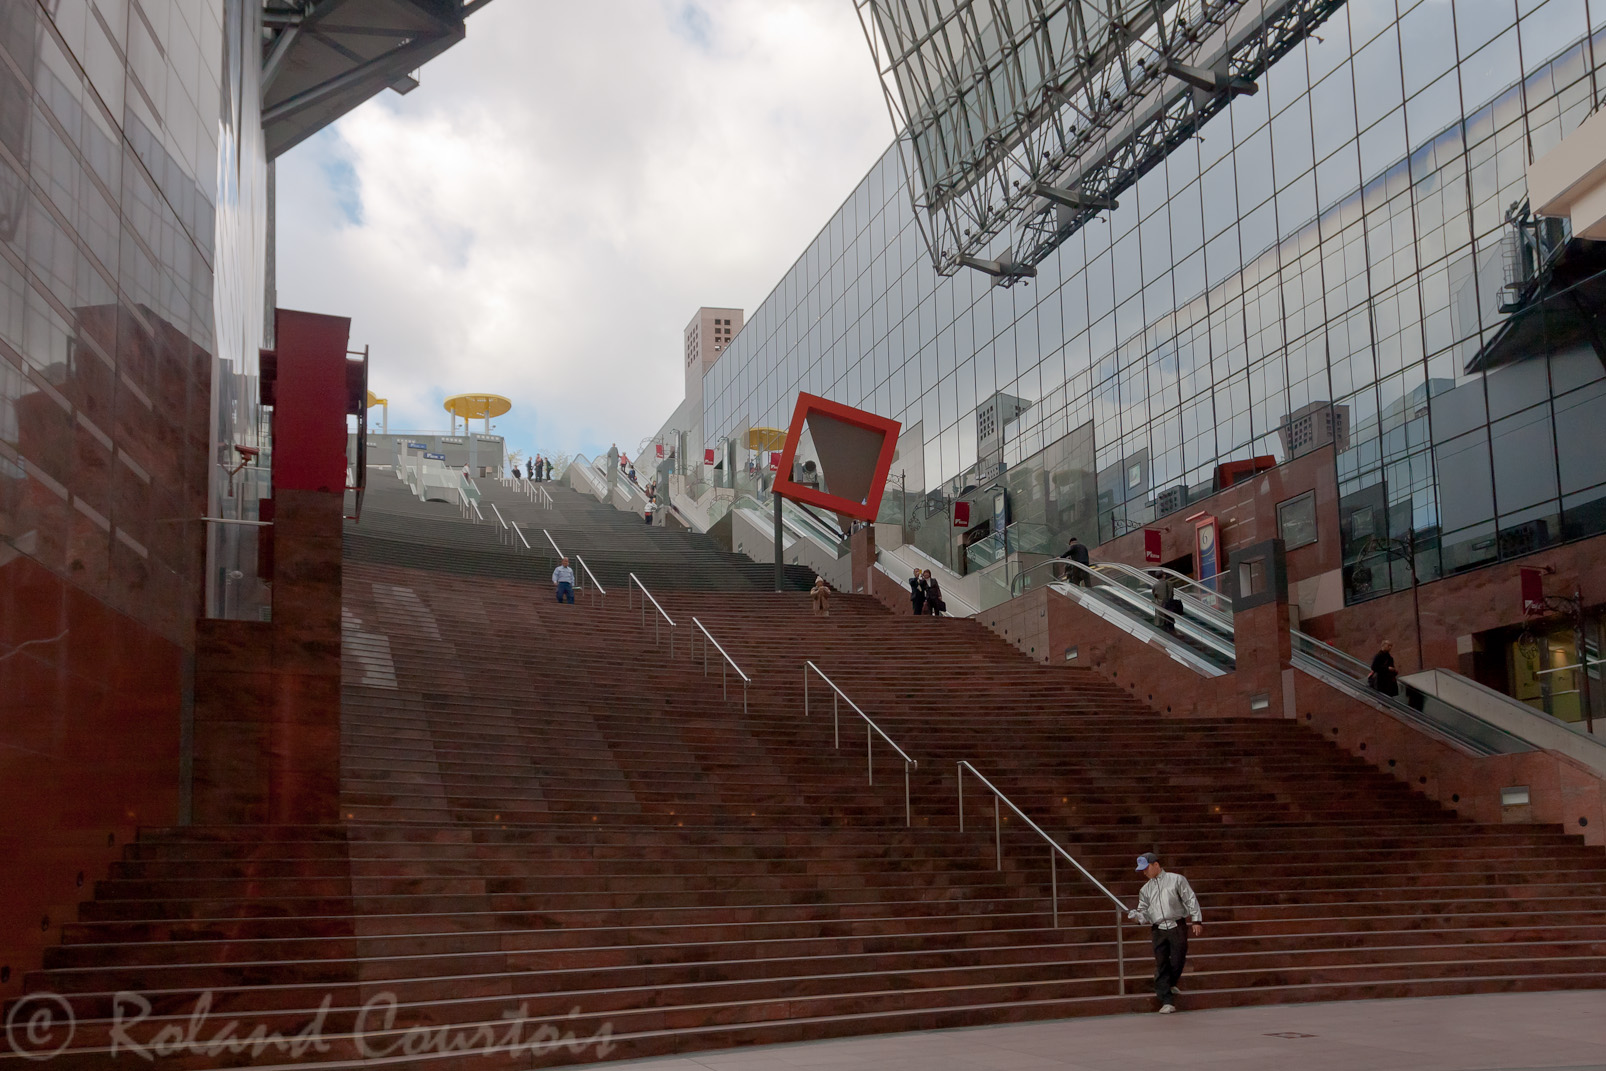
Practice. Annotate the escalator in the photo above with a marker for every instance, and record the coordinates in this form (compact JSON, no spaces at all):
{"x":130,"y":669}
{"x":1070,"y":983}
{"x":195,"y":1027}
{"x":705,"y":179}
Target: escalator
{"x":1420,"y":708}
{"x":1199,"y":636}
{"x":1202,"y":636}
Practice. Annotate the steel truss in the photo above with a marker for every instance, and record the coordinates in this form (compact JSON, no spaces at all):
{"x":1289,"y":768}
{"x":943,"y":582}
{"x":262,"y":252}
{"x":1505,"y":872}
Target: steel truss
{"x":1122,"y":102}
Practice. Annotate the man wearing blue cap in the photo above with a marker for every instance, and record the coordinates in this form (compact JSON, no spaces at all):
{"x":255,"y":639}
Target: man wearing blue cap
{"x":1165,"y":903}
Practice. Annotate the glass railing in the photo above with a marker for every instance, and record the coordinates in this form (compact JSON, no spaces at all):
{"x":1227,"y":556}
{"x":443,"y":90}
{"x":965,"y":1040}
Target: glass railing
{"x":1128,"y":593}
{"x":799,"y":521}
{"x":1351,"y":675}
{"x":984,"y":552}
{"x":1024,"y":537}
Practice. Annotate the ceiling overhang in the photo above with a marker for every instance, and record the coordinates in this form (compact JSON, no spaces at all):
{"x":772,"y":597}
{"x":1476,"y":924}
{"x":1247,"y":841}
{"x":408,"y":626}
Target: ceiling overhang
{"x":322,"y":58}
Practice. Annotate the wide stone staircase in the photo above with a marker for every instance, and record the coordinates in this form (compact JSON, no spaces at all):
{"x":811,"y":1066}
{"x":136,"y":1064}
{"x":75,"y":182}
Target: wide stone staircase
{"x":561,"y":844}
{"x":398,"y":529}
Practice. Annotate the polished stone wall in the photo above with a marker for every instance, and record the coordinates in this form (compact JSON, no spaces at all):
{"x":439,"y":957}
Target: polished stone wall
{"x":110,"y":254}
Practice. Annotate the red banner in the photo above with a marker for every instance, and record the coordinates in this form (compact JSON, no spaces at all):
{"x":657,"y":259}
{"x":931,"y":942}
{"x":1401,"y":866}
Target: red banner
{"x":1533,"y":591}
{"x":708,"y":457}
{"x":961,"y":514}
{"x":660,"y":449}
{"x":775,"y":460}
{"x":1151,"y":546}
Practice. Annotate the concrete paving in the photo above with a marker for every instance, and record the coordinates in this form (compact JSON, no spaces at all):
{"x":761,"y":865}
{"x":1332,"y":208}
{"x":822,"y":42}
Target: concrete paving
{"x":1563,"y":1031}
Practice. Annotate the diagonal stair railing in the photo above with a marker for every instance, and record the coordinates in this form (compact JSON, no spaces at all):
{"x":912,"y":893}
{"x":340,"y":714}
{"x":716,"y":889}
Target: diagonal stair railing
{"x":725,"y":667}
{"x":635,"y":583}
{"x":1055,"y":852}
{"x":871,"y":731}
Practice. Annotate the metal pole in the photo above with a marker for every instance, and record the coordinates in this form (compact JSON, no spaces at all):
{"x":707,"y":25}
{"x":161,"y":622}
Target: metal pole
{"x":869,"y":754}
{"x":1120,"y":952}
{"x":744,"y":697}
{"x":998,"y":832}
{"x":959,"y":775}
{"x":1054,"y":885}
{"x":779,"y":568}
{"x":908,"y":815}
{"x":1582,"y":636}
{"x":805,"y":691}
{"x":836,"y":722}
{"x":723,"y":673}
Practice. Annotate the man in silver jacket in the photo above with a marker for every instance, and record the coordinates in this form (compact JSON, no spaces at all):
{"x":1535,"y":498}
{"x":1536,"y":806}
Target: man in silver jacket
{"x":1168,"y":905}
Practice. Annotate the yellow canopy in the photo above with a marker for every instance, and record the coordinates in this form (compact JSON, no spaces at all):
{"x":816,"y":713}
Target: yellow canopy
{"x":766,"y":438}
{"x":477,"y":406}
{"x":373,"y":400}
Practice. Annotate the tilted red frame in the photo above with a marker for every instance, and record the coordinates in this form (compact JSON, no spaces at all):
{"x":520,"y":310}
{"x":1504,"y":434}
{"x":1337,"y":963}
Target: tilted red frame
{"x":786,"y":488}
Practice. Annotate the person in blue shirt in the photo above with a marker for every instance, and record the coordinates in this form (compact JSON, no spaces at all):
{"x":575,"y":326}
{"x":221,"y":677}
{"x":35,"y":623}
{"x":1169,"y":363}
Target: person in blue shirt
{"x":563,"y":577}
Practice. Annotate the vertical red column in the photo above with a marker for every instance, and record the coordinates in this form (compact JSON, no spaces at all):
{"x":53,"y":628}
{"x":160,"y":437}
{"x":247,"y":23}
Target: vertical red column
{"x":267,"y":710}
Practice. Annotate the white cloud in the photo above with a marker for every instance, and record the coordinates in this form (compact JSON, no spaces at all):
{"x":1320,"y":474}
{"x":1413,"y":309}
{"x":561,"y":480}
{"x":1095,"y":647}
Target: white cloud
{"x":544,"y":214}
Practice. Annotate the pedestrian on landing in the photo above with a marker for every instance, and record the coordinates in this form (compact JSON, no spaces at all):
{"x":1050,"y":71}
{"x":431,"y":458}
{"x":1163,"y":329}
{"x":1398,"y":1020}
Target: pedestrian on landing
{"x":1077,"y":552}
{"x":549,"y":468}
{"x":820,"y":596}
{"x":1384,"y":678}
{"x":934,"y":604}
{"x":563,"y":577}
{"x":1164,"y":599}
{"x":1168,"y":905}
{"x":535,"y":470}
{"x":917,"y":593}
{"x":647,"y":511}
{"x":516,"y":475}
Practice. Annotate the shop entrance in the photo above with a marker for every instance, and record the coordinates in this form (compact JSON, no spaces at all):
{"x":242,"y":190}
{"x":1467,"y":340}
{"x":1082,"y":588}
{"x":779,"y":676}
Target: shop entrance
{"x":1543,"y":669}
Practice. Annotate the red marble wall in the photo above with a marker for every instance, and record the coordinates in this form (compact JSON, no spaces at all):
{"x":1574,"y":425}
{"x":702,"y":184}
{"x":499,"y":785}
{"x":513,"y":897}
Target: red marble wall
{"x":267,"y":696}
{"x":90,"y":706}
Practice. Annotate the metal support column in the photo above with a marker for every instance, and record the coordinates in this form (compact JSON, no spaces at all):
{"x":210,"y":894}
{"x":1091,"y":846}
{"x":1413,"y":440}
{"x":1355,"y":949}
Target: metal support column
{"x":779,"y":567}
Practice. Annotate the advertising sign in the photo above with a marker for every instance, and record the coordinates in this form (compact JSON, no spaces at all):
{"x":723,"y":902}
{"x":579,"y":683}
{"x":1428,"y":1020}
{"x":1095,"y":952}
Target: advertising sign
{"x":1533,"y":591}
{"x":1207,"y":544}
{"x":1151,"y":546}
{"x":961,"y":514}
{"x":708,"y":457}
{"x":436,"y":457}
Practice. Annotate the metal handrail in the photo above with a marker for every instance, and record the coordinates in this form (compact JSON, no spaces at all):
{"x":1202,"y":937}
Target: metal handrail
{"x":731,"y":662}
{"x":871,"y":731}
{"x":502,"y":532}
{"x":631,"y":595}
{"x":477,"y":512}
{"x":594,"y":585}
{"x":554,"y":543}
{"x":1056,"y":851}
{"x":1217,"y":644}
{"x":545,"y":499}
{"x":520,"y":531}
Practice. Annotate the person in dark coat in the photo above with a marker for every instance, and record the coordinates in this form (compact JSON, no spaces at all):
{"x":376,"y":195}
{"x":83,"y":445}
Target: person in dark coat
{"x":1385,"y":678}
{"x":1077,"y":552}
{"x":917,"y":594}
{"x":934,"y":604}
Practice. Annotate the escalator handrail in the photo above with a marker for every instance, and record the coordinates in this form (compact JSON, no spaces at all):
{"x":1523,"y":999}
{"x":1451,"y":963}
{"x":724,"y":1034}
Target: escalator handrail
{"x":1350,"y":675}
{"x":1141,"y":607}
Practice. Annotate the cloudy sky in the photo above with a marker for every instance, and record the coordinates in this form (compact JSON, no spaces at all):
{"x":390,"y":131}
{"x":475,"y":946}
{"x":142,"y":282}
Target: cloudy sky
{"x":542,"y":217}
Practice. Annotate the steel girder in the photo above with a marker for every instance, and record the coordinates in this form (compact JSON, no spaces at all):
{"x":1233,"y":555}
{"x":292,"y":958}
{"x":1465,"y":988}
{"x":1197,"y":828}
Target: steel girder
{"x":999,"y":102}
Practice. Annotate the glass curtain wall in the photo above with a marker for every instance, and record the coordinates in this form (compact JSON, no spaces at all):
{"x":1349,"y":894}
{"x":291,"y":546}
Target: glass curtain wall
{"x":108,"y":240}
{"x":1324,"y":265}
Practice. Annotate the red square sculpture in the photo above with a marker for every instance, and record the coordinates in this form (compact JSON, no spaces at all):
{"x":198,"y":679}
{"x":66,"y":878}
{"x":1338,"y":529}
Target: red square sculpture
{"x":855,"y":449}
